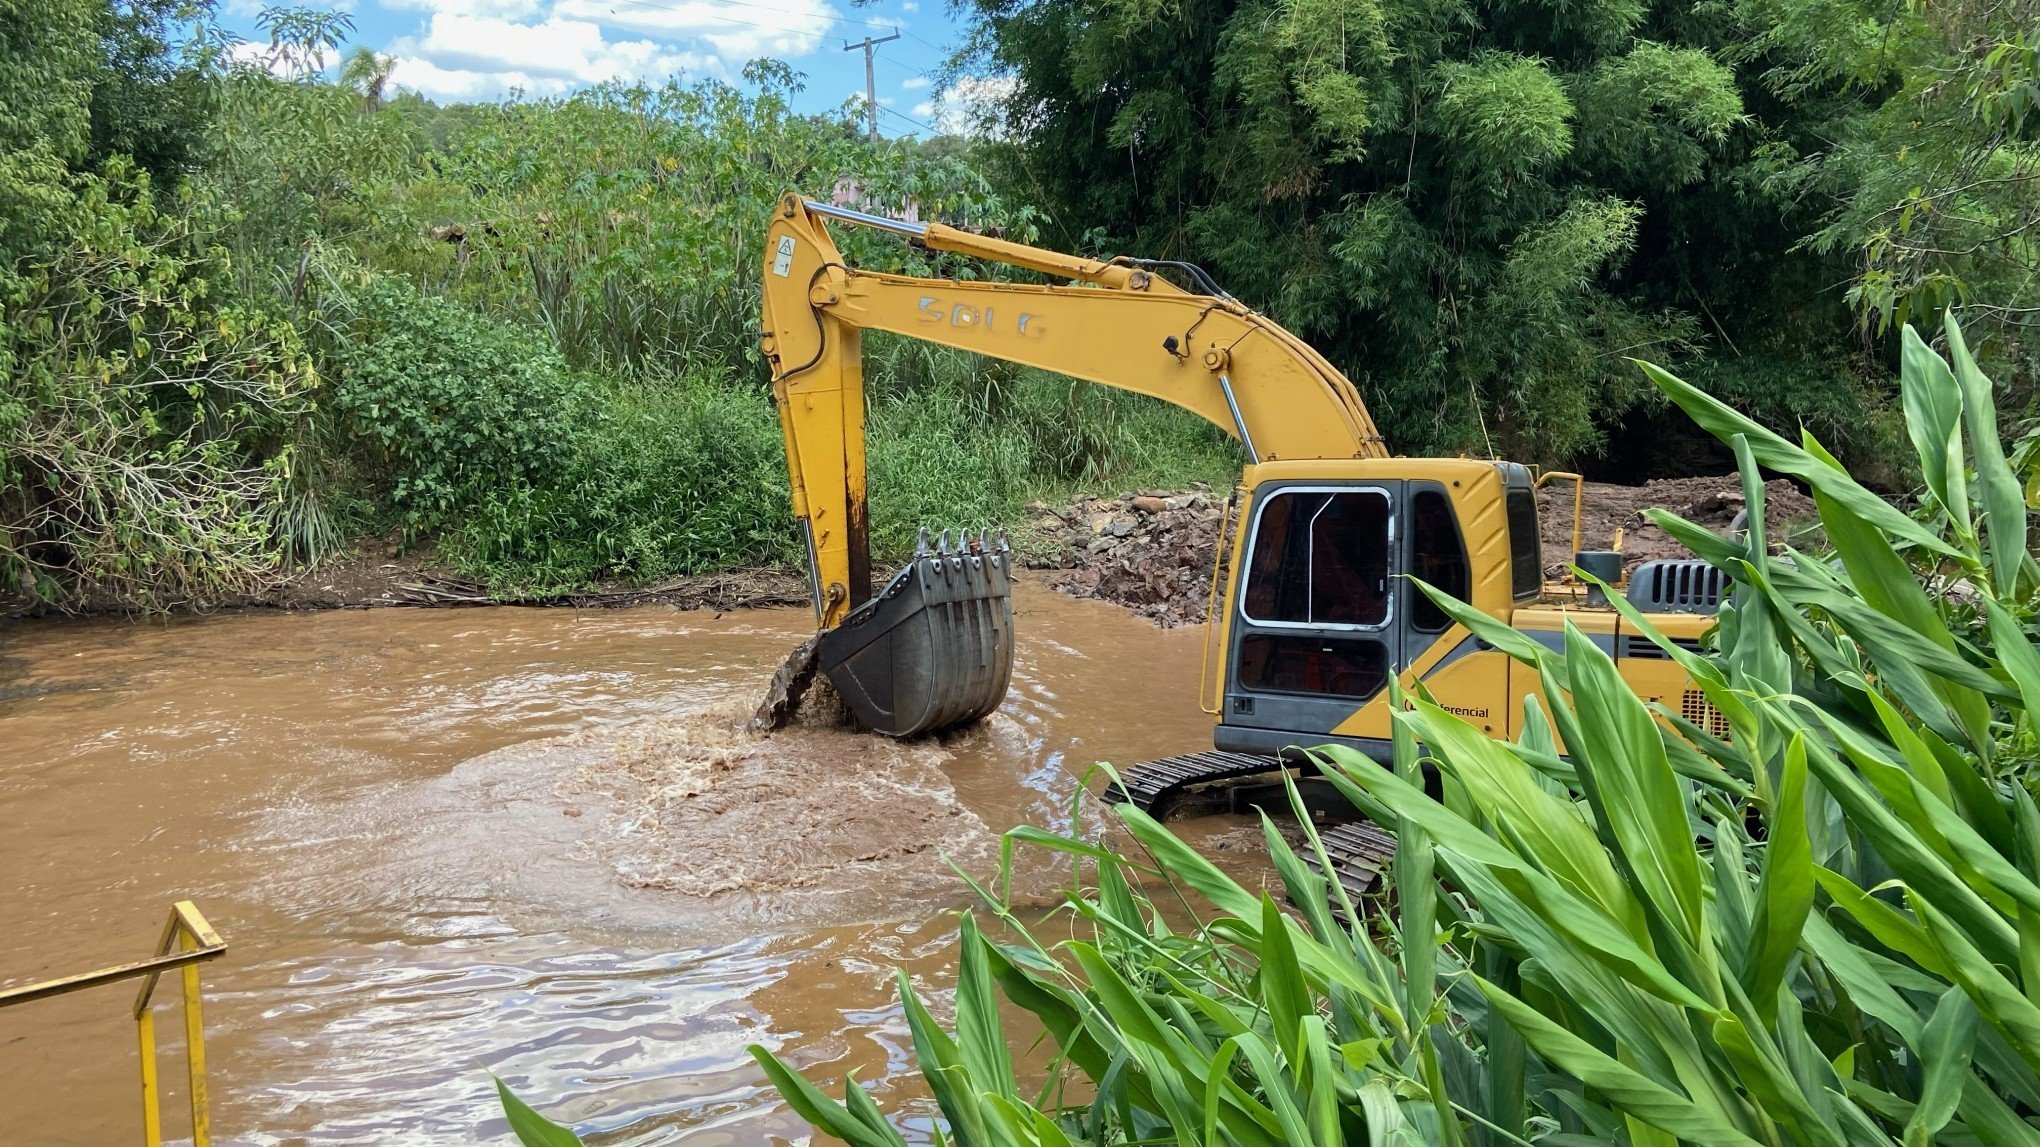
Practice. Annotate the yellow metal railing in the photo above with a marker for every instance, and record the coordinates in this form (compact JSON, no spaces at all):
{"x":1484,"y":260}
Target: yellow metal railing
{"x":187,"y":942}
{"x":1579,"y":498}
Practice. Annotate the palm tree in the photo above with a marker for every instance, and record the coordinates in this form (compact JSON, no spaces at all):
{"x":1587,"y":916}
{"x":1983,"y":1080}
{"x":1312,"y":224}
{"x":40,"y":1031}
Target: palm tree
{"x":368,"y":72}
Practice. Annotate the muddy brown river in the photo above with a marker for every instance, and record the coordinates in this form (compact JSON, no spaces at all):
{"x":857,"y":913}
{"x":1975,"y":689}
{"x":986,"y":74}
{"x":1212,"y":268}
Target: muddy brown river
{"x":444,"y":843}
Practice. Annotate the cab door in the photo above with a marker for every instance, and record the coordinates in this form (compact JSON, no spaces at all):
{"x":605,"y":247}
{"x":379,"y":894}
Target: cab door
{"x":1318,"y":616}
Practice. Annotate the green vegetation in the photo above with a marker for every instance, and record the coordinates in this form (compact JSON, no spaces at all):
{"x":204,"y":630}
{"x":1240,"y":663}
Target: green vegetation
{"x":1480,"y":208}
{"x":309,"y":311}
{"x":250,"y":314}
{"x":1820,"y":928}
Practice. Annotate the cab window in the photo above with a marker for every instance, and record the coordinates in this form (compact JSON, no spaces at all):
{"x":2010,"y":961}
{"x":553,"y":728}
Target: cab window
{"x":1526,"y":556}
{"x":1313,"y":665}
{"x":1437,"y":557}
{"x":1320,"y":558}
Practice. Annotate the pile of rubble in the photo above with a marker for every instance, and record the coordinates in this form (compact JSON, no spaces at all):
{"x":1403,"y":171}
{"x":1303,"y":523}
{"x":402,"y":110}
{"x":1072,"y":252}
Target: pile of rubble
{"x":1150,"y":551}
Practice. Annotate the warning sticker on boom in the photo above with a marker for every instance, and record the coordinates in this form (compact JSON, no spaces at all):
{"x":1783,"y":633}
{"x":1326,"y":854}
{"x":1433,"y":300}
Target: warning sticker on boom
{"x":782,"y":262}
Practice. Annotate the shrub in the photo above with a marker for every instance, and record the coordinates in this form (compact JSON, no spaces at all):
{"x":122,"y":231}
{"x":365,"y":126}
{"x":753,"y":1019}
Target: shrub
{"x":145,"y":418}
{"x":449,"y":408}
{"x":674,"y":477}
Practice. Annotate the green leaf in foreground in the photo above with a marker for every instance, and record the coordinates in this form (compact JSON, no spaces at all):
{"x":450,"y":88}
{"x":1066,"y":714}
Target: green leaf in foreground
{"x":531,"y":1128}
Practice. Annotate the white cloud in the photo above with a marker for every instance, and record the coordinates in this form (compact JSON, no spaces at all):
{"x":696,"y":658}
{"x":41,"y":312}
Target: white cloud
{"x":783,"y":28}
{"x":909,"y":6}
{"x":970,"y":106}
{"x":501,"y":9}
{"x":429,"y":79}
{"x":913,"y":83}
{"x":462,"y":56}
{"x":482,"y":49}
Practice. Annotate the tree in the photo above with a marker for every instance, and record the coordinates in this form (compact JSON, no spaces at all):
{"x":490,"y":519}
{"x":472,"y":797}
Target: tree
{"x":1478,"y":208}
{"x":301,"y":38}
{"x":368,"y":72}
{"x":1938,"y":167}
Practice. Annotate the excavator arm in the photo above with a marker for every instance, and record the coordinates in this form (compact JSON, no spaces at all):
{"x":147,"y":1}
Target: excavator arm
{"x":1116,"y":323}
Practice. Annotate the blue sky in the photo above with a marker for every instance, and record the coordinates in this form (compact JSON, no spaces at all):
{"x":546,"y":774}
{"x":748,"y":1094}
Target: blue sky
{"x":483,"y":49}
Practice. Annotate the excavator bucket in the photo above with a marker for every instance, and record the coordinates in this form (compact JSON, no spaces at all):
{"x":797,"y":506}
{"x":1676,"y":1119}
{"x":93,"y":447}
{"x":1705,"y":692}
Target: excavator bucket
{"x":934,"y":648}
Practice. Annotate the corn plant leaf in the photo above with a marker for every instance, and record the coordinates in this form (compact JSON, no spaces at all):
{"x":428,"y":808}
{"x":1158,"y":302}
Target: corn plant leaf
{"x":1777,"y":454}
{"x":1944,"y":1051}
{"x":1633,"y":1093}
{"x":1597,"y":938}
{"x":1283,"y":989}
{"x":1644,"y":801}
{"x":2002,"y":500}
{"x":535,"y":1130}
{"x":1188,"y":865}
{"x":1785,"y":891}
{"x":1911,"y":860}
{"x":1933,"y":417}
{"x":863,"y":1108}
{"x":2016,"y":653}
{"x":1883,"y":922}
{"x":1277,"y":1086}
{"x":1869,"y":990}
{"x":1997,"y":999}
{"x":980,"y":1038}
{"x":1767,"y":1080}
{"x":1888,"y":586}
{"x":818,"y":1109}
{"x":942,"y":1065}
{"x":1055,"y":1006}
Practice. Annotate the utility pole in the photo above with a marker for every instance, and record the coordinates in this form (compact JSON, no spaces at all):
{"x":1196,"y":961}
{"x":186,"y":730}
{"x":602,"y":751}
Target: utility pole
{"x":870,"y":78}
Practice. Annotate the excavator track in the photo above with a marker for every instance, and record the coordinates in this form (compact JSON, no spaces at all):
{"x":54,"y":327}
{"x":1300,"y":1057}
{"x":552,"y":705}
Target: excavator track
{"x":1359,"y":853}
{"x":1156,"y":787}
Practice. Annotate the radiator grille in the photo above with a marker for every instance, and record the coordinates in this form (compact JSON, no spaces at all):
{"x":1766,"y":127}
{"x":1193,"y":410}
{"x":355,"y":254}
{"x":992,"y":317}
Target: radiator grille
{"x":1695,"y":707}
{"x":1682,"y":586}
{"x":1646,"y":649}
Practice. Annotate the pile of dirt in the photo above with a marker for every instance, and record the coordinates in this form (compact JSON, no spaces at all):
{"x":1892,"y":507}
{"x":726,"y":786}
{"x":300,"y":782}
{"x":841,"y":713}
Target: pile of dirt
{"x":702,"y":805}
{"x":1714,"y":503}
{"x":1152,"y":551}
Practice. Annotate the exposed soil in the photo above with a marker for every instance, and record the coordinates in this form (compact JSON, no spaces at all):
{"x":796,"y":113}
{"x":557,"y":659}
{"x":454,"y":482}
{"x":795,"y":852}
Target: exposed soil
{"x":1152,"y":551}
{"x":1711,"y":502}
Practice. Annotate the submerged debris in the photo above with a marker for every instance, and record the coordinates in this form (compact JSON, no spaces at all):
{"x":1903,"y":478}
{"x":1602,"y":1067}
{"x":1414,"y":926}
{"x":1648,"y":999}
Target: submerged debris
{"x":789,"y":685}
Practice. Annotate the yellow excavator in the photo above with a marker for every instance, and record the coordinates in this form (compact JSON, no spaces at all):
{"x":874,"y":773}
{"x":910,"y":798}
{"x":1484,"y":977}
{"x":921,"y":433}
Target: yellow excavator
{"x":1320,"y":607}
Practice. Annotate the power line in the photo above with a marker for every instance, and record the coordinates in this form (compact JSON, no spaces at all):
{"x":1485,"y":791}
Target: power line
{"x":930,"y":128}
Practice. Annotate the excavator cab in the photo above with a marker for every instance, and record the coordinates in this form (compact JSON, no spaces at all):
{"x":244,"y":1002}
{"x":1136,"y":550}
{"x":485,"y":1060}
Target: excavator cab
{"x":1325,"y":609}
